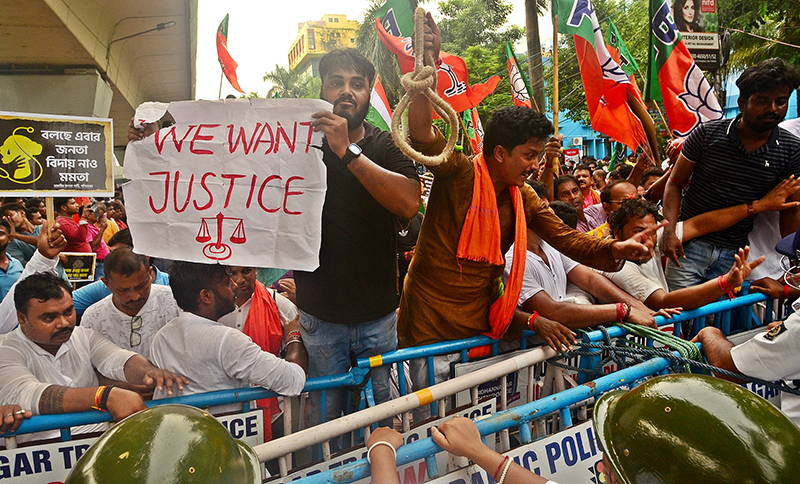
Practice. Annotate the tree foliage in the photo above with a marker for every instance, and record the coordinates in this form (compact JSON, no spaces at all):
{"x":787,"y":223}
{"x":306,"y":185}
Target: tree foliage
{"x":288,"y":83}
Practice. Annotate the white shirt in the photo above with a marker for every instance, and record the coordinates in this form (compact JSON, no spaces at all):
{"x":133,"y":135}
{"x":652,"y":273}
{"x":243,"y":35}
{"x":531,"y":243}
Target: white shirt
{"x":237,"y":317}
{"x":8,"y":312}
{"x":775,"y":355}
{"x":26,"y":369}
{"x":642,"y":280}
{"x":115,"y":325}
{"x":539,"y":276}
{"x":214,"y":357}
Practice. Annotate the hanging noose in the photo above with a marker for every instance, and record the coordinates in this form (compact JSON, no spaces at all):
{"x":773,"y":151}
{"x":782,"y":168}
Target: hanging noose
{"x":423,"y":79}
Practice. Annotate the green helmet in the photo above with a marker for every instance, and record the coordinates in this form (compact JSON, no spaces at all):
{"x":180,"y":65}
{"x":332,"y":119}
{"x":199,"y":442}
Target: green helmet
{"x":696,"y":428}
{"x":168,"y":444}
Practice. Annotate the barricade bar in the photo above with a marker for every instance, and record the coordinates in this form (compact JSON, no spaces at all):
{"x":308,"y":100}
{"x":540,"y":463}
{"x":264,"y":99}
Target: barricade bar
{"x":500,"y":421}
{"x":348,"y":423}
{"x":42,"y":423}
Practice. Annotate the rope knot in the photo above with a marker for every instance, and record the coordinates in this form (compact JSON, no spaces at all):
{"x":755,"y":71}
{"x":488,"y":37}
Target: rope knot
{"x":423,"y":79}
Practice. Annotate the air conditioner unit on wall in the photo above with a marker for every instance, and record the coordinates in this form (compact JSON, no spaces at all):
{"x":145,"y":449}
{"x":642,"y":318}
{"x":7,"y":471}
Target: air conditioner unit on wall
{"x":577,"y":141}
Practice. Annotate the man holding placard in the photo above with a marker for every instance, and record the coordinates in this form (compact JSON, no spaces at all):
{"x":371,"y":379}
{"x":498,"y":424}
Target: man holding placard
{"x":347,"y":305}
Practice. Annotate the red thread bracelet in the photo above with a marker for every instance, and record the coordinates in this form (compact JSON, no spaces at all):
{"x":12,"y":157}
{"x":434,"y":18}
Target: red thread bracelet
{"x":499,"y":468}
{"x":723,"y":283}
{"x":532,"y":317}
{"x":786,"y":291}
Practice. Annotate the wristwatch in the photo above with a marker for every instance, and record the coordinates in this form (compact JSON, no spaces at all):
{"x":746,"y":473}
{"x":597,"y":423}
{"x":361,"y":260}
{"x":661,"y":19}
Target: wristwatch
{"x":353,"y":152}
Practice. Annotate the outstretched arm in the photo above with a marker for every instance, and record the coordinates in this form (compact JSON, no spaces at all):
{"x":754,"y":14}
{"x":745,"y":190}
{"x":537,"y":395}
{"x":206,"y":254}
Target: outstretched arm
{"x":775,"y":200}
{"x":420,"y":110}
{"x":460,"y":437}
{"x":717,"y":350}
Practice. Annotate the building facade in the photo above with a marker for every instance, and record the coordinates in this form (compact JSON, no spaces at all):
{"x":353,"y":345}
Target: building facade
{"x":315,"y":38}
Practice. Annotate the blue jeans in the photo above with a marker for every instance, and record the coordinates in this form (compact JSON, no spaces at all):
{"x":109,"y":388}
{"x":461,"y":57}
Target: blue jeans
{"x":331,"y":347}
{"x":703,"y":262}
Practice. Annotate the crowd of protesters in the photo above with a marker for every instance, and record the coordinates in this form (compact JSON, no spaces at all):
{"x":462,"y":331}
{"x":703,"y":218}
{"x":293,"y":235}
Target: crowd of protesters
{"x":570,"y":246}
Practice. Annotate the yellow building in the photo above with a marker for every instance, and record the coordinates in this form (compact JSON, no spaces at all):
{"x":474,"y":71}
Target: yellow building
{"x":315,"y":38}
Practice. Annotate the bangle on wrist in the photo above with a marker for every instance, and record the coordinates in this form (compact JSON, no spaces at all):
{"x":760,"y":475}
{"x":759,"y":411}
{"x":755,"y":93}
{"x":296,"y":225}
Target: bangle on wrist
{"x":505,"y":471}
{"x":496,"y":474}
{"x":786,"y":291}
{"x":723,"y":283}
{"x":381,"y":442}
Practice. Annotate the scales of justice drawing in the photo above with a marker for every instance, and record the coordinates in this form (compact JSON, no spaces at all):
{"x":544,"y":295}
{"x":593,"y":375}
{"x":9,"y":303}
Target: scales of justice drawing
{"x":219,"y":250}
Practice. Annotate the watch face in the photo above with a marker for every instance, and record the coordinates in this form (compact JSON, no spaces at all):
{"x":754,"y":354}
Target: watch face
{"x":354,"y":149}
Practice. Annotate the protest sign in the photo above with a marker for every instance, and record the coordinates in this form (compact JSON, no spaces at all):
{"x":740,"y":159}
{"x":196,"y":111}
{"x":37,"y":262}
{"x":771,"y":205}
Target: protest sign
{"x":79,"y":266}
{"x":239,"y":182}
{"x":51,"y":463}
{"x":46,"y":155}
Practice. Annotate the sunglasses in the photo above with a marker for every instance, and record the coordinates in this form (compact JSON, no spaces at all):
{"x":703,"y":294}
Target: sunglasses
{"x":136,"y":325}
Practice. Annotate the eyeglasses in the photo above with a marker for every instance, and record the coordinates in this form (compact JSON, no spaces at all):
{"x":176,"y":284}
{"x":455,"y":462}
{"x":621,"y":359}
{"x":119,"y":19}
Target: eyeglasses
{"x":136,"y":325}
{"x":626,"y":199}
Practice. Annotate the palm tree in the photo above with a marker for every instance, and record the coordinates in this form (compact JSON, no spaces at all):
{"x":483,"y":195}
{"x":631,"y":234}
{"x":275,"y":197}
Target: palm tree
{"x":291,"y":84}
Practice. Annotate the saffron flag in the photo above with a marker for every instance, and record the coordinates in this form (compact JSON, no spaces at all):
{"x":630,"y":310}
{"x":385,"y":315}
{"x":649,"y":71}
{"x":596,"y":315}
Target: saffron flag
{"x":396,"y":17}
{"x":520,"y":91}
{"x":605,"y":83}
{"x":452,"y":77}
{"x":474,"y":129}
{"x":225,"y":60}
{"x":379,"y":114}
{"x":674,"y":78}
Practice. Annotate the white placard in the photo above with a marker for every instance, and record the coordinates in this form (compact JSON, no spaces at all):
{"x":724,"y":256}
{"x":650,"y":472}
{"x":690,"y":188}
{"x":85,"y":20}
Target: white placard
{"x":239,"y":182}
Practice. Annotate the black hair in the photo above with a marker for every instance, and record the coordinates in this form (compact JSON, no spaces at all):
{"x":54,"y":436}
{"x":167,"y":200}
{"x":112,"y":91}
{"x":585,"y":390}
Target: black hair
{"x":29,"y":213}
{"x":123,"y":237}
{"x":59,"y":202}
{"x":538,"y":187}
{"x":346,"y":59}
{"x":625,"y":170}
{"x":42,"y":286}
{"x":187,"y":279}
{"x":561,"y":180}
{"x":13,"y":207}
{"x":513,"y":126}
{"x":125,"y":262}
{"x":605,"y":193}
{"x":583,"y":166}
{"x":766,"y":76}
{"x":633,"y":208}
{"x":4,"y":223}
{"x":654,"y":171}
{"x":566,"y":212}
{"x":33,"y":202}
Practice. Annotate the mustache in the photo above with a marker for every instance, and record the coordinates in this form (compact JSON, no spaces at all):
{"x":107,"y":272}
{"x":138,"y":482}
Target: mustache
{"x":348,"y":99}
{"x":60,"y":332}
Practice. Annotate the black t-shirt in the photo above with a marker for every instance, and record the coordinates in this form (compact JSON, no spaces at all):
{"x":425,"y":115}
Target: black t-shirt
{"x":725,"y":174}
{"x":356,"y":278}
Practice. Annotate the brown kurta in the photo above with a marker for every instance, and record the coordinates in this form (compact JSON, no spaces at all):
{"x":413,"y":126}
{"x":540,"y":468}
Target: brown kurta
{"x":445,"y":298}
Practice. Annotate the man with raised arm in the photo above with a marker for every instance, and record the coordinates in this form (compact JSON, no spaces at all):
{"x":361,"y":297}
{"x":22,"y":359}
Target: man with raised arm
{"x":475,"y":212}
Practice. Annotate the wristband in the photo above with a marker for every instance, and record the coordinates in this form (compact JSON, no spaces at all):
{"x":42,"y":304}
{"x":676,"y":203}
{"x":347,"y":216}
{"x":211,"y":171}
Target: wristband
{"x":785,"y":291}
{"x":295,"y":334}
{"x":623,"y":311}
{"x":296,"y":340}
{"x":103,"y":404}
{"x":381,"y":442}
{"x":533,"y":316}
{"x":97,"y":395}
{"x":499,"y":469}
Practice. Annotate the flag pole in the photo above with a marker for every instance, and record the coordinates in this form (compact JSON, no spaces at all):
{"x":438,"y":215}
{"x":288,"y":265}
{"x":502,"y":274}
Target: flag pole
{"x":221,"y":74}
{"x":658,"y":108}
{"x":555,"y":72}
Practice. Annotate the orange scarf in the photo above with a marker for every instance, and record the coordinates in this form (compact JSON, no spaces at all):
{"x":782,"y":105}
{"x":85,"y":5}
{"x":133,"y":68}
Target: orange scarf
{"x":480,"y":242}
{"x":263,"y":326}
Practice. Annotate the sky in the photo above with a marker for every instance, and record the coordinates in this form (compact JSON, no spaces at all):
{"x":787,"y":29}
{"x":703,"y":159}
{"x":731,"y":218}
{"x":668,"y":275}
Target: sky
{"x":261,"y":32}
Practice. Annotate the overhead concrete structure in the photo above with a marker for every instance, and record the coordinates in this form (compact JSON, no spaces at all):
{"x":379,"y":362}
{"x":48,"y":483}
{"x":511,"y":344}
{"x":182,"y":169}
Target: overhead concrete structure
{"x":96,"y":57}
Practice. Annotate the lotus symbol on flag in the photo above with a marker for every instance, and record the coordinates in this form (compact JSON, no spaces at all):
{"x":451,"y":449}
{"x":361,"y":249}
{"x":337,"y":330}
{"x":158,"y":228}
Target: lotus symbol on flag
{"x":518,"y":88}
{"x":698,"y":98}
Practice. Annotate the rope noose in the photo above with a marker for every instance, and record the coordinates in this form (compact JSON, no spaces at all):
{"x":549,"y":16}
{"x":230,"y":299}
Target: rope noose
{"x":423,"y":79}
